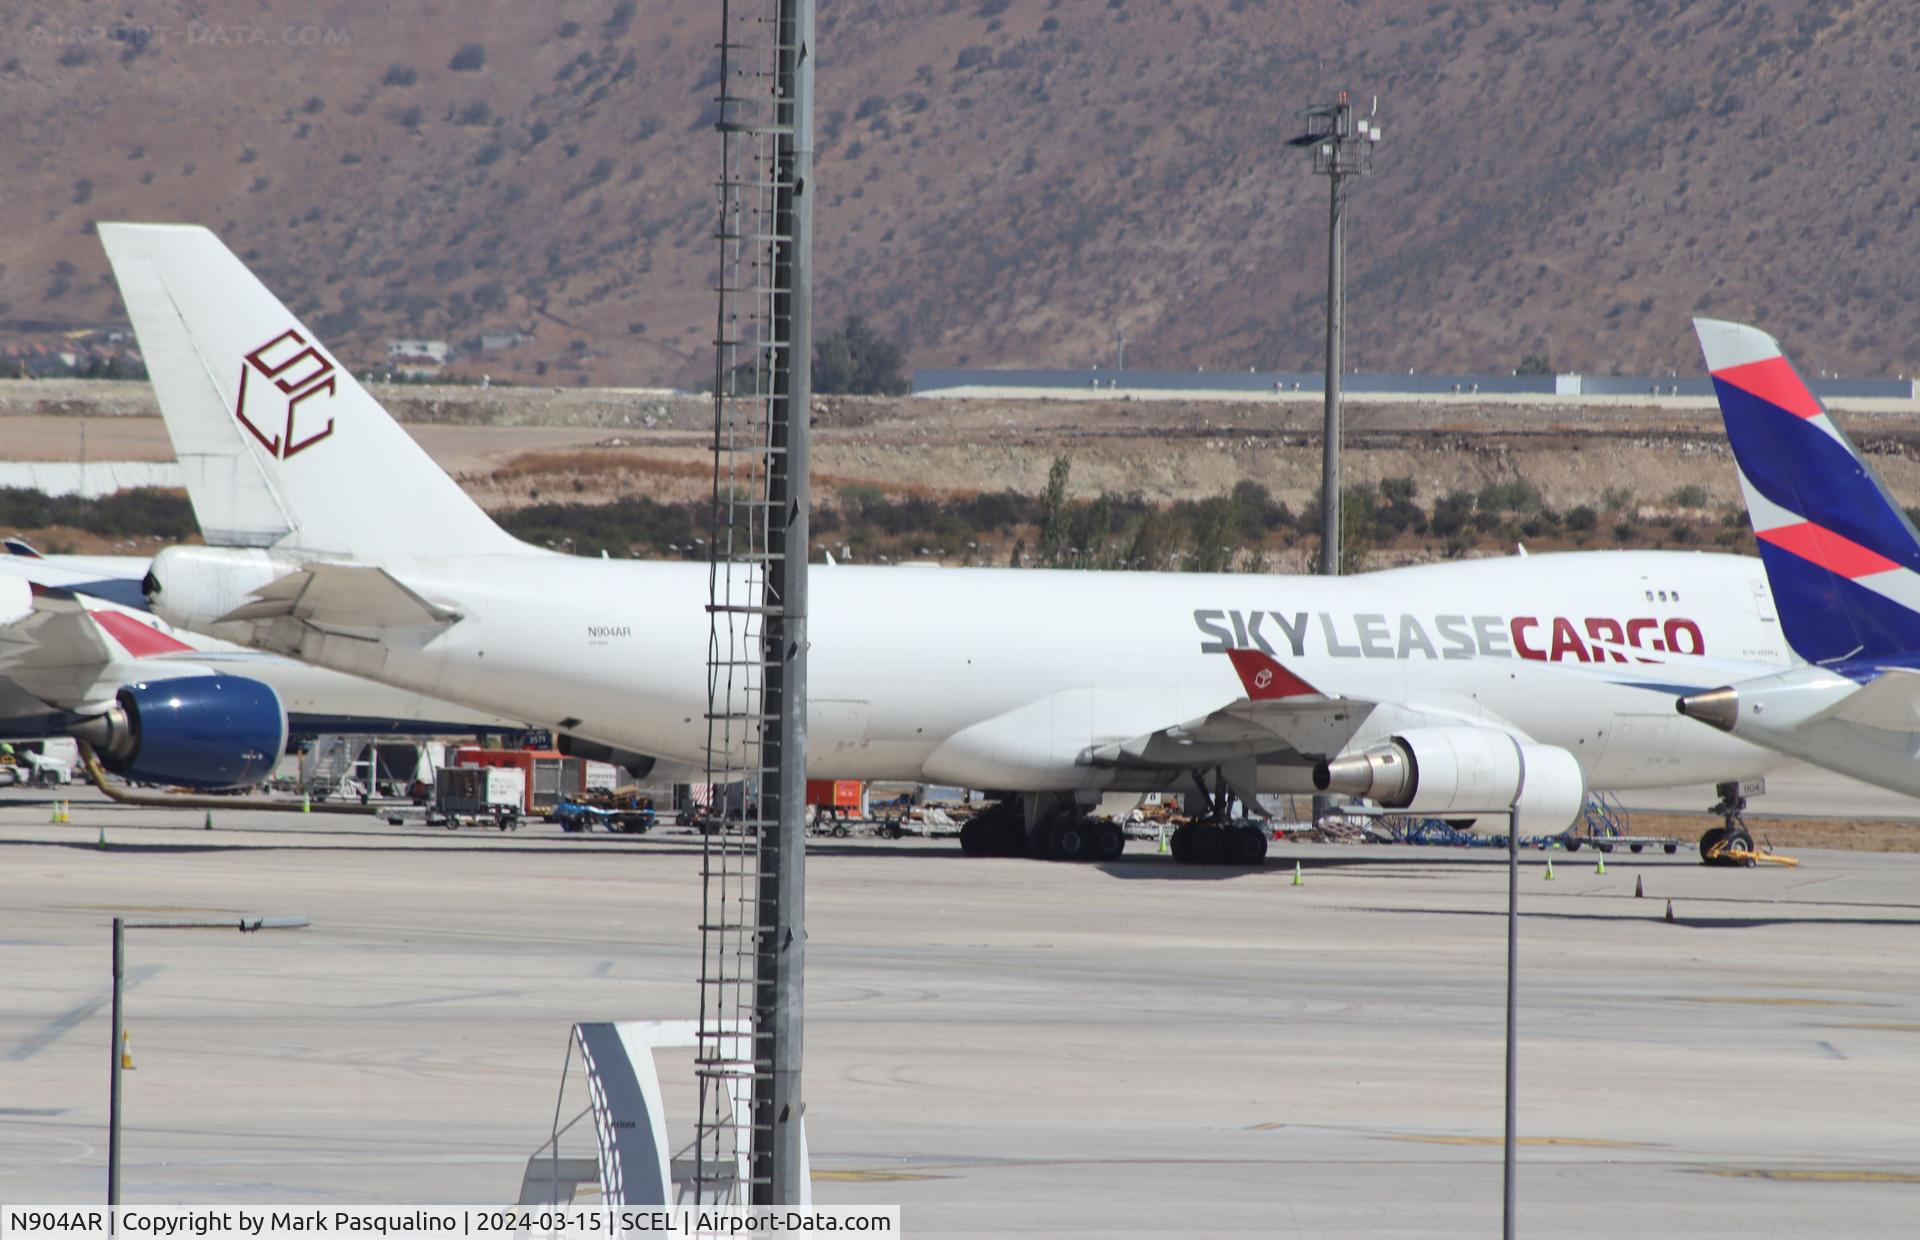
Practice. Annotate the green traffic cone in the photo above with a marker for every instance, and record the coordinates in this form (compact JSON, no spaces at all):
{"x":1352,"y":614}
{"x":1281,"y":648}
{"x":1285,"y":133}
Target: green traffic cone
{"x":1549,"y":869}
{"x":1601,"y":866}
{"x":102,"y":842}
{"x":209,"y":823}
{"x":1298,"y":881}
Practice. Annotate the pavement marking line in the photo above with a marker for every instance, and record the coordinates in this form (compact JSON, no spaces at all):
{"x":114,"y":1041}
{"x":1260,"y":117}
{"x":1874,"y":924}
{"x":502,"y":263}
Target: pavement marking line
{"x":1831,"y":1050}
{"x":1817,"y":1177}
{"x":1594,"y":1143}
{"x":459,"y":997}
{"x":1782,"y":1001}
{"x":198,"y":910}
{"x":873,"y":1177}
{"x":1888,"y":1027}
{"x":60,"y":1025}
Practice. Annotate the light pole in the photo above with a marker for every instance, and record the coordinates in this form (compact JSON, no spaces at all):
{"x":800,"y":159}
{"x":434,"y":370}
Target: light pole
{"x":1342,"y":147}
{"x":121,"y":925}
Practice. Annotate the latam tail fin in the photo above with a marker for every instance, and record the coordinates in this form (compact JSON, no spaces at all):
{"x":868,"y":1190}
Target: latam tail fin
{"x":280,"y":445}
{"x":1841,"y":556}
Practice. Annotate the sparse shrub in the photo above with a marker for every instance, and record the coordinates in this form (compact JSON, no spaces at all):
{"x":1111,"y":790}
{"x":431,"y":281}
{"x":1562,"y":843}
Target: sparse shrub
{"x":400,"y":75}
{"x":468,"y":59}
{"x":1515,"y":495}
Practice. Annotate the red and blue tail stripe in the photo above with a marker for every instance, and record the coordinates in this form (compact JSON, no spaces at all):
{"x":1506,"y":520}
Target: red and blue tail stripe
{"x":1842,"y":558}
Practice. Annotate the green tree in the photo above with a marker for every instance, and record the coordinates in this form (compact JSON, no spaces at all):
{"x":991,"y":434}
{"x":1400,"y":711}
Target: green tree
{"x":1451,"y":512}
{"x":1152,"y":546}
{"x":858,"y":361}
{"x":1214,"y":534}
{"x":1087,"y":528}
{"x":1053,"y":514}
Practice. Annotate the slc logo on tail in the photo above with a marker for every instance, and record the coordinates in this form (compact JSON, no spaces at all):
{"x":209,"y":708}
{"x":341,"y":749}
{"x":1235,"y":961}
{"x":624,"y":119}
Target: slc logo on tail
{"x":300,"y":372}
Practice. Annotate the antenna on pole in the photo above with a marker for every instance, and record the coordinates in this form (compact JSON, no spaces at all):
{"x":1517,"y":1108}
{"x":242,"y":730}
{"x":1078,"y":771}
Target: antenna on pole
{"x":1342,"y":148}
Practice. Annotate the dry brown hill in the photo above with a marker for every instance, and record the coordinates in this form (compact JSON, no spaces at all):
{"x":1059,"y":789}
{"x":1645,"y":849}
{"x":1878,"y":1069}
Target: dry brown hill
{"x":1003,"y":181}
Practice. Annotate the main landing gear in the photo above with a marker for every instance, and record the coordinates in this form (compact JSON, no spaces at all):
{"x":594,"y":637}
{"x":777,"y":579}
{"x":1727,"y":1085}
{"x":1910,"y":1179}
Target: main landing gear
{"x":1730,"y":843}
{"x":1044,"y":826}
{"x":1219,"y":843}
{"x":1215,"y":839}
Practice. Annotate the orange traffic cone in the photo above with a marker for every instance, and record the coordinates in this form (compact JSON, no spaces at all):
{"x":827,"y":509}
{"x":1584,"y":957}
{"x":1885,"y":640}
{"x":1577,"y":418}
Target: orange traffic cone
{"x":1639,"y":887}
{"x":126,"y":1050}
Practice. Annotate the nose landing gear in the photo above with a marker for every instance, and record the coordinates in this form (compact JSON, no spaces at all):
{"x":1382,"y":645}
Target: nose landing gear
{"x":1730,"y":843}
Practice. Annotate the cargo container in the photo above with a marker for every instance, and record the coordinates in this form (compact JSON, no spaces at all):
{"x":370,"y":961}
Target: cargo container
{"x":483,"y":794}
{"x":837,"y":798}
{"x":551,"y":778}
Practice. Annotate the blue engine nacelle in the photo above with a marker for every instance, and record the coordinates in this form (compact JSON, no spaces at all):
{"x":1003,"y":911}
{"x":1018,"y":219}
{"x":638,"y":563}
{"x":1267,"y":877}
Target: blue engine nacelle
{"x":196,"y":731}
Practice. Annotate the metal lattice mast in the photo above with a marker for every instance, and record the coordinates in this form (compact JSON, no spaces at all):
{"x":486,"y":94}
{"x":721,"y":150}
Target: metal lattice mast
{"x":752,"y":925}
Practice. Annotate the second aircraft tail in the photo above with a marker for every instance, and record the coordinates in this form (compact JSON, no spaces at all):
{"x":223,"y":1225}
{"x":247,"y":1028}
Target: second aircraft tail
{"x":1841,"y":556}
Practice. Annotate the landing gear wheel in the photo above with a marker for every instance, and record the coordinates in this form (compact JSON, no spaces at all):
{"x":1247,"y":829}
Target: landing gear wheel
{"x":1248,"y":846}
{"x":1181,"y":845}
{"x":1069,"y":840}
{"x":1740,"y":839}
{"x":1715,"y":843}
{"x":1009,"y":838}
{"x":1209,"y":845}
{"x":1109,"y":842}
{"x":973,"y":838}
{"x":1571,"y":841}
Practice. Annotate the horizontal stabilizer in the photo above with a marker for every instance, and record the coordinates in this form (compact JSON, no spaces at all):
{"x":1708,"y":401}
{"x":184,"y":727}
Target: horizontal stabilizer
{"x":342,"y":596}
{"x":1890,"y":700}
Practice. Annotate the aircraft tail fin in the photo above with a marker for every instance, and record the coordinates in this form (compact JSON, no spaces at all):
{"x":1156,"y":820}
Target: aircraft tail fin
{"x":280,"y":444}
{"x":1841,"y":556}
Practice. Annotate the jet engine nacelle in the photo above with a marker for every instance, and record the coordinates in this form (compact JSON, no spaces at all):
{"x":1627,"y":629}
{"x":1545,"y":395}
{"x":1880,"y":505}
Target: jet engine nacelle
{"x":195,"y":731}
{"x":1455,"y":770}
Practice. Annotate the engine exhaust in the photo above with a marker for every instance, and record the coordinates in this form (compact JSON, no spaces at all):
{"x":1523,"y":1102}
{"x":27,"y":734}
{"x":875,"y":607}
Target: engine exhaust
{"x":1719,"y":708}
{"x":1385,"y":775}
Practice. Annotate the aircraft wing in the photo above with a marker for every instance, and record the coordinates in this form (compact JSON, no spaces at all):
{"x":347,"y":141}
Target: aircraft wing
{"x":62,"y":654}
{"x":342,"y":596}
{"x":1282,"y":719}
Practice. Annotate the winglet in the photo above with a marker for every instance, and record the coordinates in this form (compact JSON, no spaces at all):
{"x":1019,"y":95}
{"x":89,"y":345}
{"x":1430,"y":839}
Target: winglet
{"x":1264,"y":678}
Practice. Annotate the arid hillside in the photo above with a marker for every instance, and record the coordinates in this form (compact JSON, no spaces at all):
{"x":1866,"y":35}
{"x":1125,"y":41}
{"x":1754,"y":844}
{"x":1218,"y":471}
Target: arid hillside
{"x":1001,"y":181}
